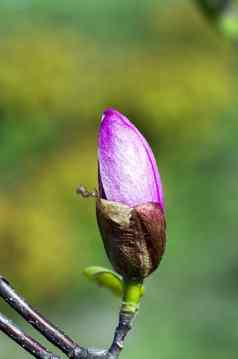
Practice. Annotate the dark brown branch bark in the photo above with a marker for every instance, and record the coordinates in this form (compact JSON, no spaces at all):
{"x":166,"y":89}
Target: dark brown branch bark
{"x":25,"y":341}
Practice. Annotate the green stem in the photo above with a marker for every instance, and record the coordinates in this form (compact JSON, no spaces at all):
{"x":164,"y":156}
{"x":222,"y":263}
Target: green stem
{"x":133,"y":292}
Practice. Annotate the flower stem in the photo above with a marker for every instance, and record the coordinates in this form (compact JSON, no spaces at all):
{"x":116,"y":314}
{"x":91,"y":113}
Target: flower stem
{"x":133,"y":292}
{"x":124,"y":326}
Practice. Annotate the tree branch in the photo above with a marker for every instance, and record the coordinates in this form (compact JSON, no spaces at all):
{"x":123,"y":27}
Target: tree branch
{"x":38,"y":321}
{"x":25,"y":341}
{"x":55,"y":335}
{"x":124,"y":326}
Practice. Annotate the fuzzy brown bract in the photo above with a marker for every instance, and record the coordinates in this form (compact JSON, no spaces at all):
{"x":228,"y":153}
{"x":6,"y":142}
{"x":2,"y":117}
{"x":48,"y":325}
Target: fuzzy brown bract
{"x":134,"y":238}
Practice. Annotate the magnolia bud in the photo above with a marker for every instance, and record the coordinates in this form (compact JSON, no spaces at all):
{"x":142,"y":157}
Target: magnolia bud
{"x":130,"y":206}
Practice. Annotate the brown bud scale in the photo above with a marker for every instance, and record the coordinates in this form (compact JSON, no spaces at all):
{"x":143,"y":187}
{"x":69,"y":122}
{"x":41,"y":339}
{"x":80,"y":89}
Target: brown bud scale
{"x":134,"y":238}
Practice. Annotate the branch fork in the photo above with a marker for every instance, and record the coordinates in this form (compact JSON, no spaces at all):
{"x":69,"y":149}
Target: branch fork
{"x":56,"y":336}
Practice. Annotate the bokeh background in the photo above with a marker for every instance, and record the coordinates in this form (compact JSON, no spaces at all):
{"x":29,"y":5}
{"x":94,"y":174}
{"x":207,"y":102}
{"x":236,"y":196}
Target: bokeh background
{"x":166,"y":67}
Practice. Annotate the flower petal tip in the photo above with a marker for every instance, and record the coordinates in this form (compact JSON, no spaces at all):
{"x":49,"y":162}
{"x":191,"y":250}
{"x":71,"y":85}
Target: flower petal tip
{"x":109,"y":112}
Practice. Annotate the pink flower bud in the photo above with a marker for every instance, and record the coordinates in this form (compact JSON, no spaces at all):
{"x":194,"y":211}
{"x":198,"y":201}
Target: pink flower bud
{"x":130,"y":207}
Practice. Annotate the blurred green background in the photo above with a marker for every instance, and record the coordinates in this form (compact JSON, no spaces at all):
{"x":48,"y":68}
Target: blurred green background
{"x":164,"y":66}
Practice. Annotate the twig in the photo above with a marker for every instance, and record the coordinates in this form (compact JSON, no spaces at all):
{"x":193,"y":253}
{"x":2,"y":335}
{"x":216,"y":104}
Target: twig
{"x":25,"y":341}
{"x":33,"y":317}
{"x":124,"y":326}
{"x":54,"y":334}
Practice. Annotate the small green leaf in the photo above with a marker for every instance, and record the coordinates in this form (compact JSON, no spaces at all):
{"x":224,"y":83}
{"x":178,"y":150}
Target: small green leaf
{"x":105,"y":278}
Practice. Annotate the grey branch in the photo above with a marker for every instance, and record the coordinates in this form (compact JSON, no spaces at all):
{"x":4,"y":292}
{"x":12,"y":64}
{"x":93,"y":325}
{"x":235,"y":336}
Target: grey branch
{"x":124,"y":325}
{"x":25,"y":341}
{"x":53,"y":334}
{"x":33,"y":317}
